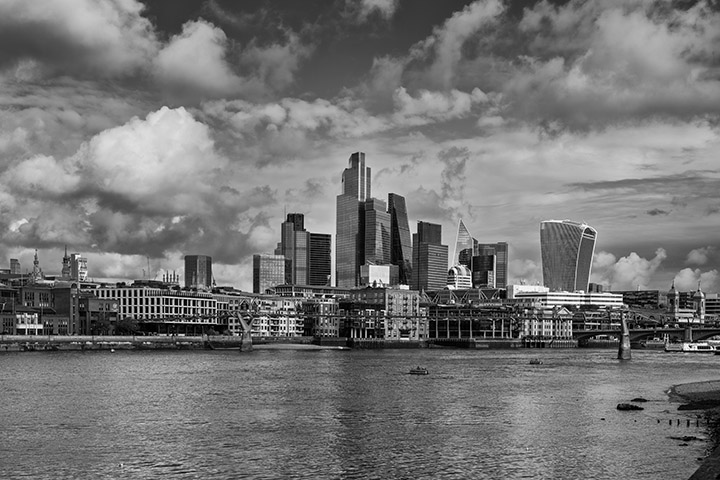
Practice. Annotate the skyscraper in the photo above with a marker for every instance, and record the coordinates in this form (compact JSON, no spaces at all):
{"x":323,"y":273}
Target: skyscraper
{"x":567,"y":249}
{"x":400,"y":239}
{"x":350,"y":224}
{"x":464,"y":246}
{"x":78,"y":267}
{"x":307,"y":255}
{"x":430,"y":258}
{"x":198,"y":271}
{"x":268,"y":272}
{"x":490,"y":262}
{"x":377,"y":233}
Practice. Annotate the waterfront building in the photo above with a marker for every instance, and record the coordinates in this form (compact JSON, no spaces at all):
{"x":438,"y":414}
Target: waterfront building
{"x":350,"y":221}
{"x":567,"y":249}
{"x":459,"y":277}
{"x":146,"y":302}
{"x":311,"y":291}
{"x":198,"y":272}
{"x":268,"y":271}
{"x":567,"y":299}
{"x":388,"y":313}
{"x":400,"y":238}
{"x":430,"y":258}
{"x":21,"y":321}
{"x":275,"y":316}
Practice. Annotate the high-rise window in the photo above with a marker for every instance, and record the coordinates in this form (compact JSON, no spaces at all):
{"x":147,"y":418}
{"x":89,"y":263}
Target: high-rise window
{"x":567,"y":250}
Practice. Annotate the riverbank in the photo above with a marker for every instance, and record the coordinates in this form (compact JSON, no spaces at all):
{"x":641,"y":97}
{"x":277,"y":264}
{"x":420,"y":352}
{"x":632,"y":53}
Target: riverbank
{"x":703,"y":396}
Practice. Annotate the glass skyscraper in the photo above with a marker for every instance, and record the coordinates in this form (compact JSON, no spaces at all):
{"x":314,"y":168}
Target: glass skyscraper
{"x":430,"y":258}
{"x":401,"y":248}
{"x":268,"y":272}
{"x":307,"y":255}
{"x":567,"y":250}
{"x":198,"y":271}
{"x":350,"y":221}
{"x":464,"y":246}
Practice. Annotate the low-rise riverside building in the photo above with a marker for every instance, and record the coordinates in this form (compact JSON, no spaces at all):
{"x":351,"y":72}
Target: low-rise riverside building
{"x":384,"y":312}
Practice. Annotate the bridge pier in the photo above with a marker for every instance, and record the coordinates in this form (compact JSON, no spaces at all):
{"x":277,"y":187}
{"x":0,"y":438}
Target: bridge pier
{"x":624,"y":352}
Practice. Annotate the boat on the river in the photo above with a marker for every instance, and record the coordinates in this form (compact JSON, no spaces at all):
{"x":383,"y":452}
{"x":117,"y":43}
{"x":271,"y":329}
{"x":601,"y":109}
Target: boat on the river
{"x":690,"y":347}
{"x":536,"y":361}
{"x":419,"y":371}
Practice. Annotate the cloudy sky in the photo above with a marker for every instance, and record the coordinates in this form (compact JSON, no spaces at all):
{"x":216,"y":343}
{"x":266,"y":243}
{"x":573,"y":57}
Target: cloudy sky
{"x":137,"y":132}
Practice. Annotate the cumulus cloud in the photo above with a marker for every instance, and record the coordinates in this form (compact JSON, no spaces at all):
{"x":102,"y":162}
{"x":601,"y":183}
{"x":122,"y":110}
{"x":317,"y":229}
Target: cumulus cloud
{"x":688,"y":279}
{"x":700,"y":256}
{"x":433,"y":106}
{"x":597,"y":62}
{"x":627,"y":273}
{"x":194,"y":62}
{"x":79,"y":37}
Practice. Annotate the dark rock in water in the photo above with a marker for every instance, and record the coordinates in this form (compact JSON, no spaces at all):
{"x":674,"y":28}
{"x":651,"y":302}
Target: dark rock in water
{"x":628,"y":406}
{"x":638,"y":400}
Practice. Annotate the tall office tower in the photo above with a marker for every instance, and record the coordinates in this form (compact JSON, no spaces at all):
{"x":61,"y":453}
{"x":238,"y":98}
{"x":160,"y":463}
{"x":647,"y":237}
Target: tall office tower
{"x":268,"y":272}
{"x":294,"y":246}
{"x":307,"y":255}
{"x":430,"y":258}
{"x":377,"y":233}
{"x":319,"y":259}
{"x":464,"y":246}
{"x":567,"y":252}
{"x":481,"y":263}
{"x":78,"y":267}
{"x":15,"y":266}
{"x":198,"y":272}
{"x":400,"y":238}
{"x":350,"y":224}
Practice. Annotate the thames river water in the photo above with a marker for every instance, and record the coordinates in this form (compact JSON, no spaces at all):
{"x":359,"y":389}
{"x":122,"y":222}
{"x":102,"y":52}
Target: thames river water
{"x":334,"y":414}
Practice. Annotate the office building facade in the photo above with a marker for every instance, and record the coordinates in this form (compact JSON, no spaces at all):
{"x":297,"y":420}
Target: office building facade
{"x":268,"y":271}
{"x":400,"y":238}
{"x":350,"y":221}
{"x":198,"y":272}
{"x":567,"y":250}
{"x":430,"y":258}
{"x":490,"y":265}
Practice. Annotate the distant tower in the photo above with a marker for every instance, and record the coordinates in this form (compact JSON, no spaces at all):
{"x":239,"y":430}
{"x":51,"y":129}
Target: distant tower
{"x":15,"y":266}
{"x":567,"y":252}
{"x":198,"y":272}
{"x":78,"y":267}
{"x":66,"y":268}
{"x":673,"y":301}
{"x":37,"y":273}
{"x":699,"y":303}
{"x":307,"y":254}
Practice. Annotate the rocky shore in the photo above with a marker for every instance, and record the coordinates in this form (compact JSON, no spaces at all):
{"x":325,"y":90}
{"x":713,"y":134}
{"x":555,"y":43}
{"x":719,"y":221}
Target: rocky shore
{"x":703,"y":396}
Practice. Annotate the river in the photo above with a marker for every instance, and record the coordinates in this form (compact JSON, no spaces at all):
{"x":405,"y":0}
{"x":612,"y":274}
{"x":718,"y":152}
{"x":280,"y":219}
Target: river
{"x":331,"y":414}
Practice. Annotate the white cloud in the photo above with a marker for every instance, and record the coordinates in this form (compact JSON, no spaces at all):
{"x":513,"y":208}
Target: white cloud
{"x":274,"y":66}
{"x":700,"y":256}
{"x":194,"y":62}
{"x":433,"y":106}
{"x":94,"y":37}
{"x":628,"y":273}
{"x":688,"y":279}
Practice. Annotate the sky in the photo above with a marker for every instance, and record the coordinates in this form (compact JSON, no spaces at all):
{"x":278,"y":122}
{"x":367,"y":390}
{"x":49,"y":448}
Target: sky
{"x":138,"y":132}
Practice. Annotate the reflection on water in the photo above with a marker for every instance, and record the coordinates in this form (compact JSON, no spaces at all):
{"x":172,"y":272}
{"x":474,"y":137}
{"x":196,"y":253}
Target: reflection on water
{"x":346,"y":414}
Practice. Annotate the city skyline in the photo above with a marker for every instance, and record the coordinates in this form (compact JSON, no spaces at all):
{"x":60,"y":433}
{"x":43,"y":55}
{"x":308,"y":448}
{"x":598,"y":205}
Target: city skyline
{"x":138,"y":133}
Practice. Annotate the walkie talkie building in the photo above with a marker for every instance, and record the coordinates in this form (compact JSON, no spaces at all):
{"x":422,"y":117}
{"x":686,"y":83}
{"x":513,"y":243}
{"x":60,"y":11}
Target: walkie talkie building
{"x":567,"y":250}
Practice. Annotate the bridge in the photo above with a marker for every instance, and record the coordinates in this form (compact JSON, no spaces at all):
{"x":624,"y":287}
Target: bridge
{"x":687,"y":334}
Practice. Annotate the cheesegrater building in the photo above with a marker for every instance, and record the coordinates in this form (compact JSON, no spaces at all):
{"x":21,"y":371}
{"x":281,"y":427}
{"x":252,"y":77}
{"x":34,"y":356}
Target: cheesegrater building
{"x":567,"y":250}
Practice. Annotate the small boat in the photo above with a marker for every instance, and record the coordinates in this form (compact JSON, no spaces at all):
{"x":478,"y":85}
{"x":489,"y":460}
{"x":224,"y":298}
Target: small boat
{"x":418,"y":371}
{"x":536,"y":361}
